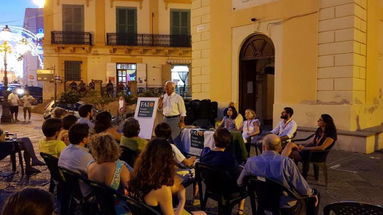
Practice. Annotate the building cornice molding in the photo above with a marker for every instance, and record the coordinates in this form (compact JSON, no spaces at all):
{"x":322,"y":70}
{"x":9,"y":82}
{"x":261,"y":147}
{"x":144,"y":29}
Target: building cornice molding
{"x":86,"y":2}
{"x":167,"y":2}
{"x":112,"y":2}
{"x":137,"y":51}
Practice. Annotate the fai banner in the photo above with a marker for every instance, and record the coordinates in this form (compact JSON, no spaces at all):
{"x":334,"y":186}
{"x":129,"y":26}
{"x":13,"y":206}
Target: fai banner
{"x":197,"y":141}
{"x":146,"y":109}
{"x":146,"y":112}
{"x":242,"y":4}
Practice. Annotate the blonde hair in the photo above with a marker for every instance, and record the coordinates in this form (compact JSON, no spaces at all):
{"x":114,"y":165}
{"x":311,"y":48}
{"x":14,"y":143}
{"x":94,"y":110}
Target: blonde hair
{"x":252,"y":112}
{"x":104,"y":148}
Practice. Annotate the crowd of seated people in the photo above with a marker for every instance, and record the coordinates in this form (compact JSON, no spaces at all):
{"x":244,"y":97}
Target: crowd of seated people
{"x":93,"y":150}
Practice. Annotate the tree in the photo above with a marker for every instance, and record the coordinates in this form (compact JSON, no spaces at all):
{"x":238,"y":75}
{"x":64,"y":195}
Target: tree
{"x":69,"y":97}
{"x":95,"y":98}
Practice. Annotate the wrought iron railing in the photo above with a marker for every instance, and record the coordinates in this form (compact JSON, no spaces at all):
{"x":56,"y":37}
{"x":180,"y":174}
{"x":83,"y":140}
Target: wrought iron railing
{"x":118,"y":39}
{"x":68,"y":37}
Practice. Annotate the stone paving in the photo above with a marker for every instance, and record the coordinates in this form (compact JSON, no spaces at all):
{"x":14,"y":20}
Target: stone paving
{"x":352,"y":176}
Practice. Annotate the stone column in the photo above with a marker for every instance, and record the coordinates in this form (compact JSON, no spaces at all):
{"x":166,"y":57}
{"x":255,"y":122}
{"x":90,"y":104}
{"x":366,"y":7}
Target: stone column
{"x":200,"y":22}
{"x":342,"y":52}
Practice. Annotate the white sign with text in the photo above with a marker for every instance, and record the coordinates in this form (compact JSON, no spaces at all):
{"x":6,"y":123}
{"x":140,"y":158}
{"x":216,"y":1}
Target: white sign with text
{"x":146,"y":112}
{"x":242,"y":4}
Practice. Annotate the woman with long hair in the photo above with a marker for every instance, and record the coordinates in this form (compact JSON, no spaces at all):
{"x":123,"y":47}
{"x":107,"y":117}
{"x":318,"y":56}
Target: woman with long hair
{"x":228,"y":120}
{"x":325,"y":137}
{"x":154,"y":180}
{"x":103,"y":123}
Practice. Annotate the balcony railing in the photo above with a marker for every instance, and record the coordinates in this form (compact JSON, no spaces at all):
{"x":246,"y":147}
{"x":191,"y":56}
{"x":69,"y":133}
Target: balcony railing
{"x":117,"y":39}
{"x":75,"y":38}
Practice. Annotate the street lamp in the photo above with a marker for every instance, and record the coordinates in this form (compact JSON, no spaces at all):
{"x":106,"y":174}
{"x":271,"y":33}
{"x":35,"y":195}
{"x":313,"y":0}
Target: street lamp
{"x":39,"y":3}
{"x":6,"y":48}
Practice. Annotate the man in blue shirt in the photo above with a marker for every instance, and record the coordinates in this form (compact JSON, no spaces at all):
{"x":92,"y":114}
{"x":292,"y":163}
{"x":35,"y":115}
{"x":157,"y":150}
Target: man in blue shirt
{"x":86,"y":114}
{"x":76,"y":156}
{"x":280,"y":168}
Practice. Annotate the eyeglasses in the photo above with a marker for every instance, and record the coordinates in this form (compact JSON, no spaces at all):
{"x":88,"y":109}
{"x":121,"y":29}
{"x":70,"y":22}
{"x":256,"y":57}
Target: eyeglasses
{"x":320,"y":120}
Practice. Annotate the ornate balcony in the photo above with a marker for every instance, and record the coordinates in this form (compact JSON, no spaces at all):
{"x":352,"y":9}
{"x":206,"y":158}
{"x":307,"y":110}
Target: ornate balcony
{"x":118,"y":39}
{"x":72,"y":38}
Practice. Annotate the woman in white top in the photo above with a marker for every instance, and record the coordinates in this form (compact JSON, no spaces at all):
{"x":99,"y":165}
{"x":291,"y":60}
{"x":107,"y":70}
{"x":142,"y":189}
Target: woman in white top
{"x":27,"y":100}
{"x":250,"y":128}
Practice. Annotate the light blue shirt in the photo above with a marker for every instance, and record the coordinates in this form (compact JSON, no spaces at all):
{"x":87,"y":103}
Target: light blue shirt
{"x":76,"y":159}
{"x":86,"y":121}
{"x":285,"y":129}
{"x":280,"y":168}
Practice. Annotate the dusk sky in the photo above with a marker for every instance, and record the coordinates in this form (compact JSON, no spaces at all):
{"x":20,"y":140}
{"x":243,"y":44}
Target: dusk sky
{"x":12,"y":11}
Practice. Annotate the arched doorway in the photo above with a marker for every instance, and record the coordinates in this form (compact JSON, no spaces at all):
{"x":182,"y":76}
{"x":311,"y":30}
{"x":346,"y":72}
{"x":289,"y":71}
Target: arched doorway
{"x":256,"y":77}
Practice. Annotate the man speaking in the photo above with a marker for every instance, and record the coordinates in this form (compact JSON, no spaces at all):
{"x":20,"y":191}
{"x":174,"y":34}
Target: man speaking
{"x":173,"y":108}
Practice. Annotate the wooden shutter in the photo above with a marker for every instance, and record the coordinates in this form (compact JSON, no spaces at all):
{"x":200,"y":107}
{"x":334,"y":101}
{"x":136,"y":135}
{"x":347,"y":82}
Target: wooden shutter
{"x":126,"y":20}
{"x":179,"y":22}
{"x":73,"y":18}
{"x":72,"y":70}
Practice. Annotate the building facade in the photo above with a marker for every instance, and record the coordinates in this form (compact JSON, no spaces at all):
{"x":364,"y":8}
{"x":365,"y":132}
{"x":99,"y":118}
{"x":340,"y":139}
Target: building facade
{"x":116,"y":40}
{"x":317,"y":56}
{"x":33,"y":22}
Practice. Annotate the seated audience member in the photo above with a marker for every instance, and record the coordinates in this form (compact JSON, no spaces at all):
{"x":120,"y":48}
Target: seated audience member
{"x":270,"y":164}
{"x":50,"y":144}
{"x":67,"y":122}
{"x":163,"y":130}
{"x":238,"y":120}
{"x":86,"y":115}
{"x":220,"y":159}
{"x":103,"y":123}
{"x":154,"y":178}
{"x":228,"y":120}
{"x":325,"y":136}
{"x":107,"y":168}
{"x":250,"y":128}
{"x":76,"y":156}
{"x":287,"y":127}
{"x":29,"y":153}
{"x":59,"y":113}
{"x":130,"y":139}
{"x":31,"y":201}
{"x":231,"y":104}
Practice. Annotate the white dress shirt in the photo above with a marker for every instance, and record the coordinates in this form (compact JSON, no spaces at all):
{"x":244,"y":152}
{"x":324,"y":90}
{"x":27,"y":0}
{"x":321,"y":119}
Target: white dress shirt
{"x":13,"y":99}
{"x":173,"y":105}
{"x":285,"y":129}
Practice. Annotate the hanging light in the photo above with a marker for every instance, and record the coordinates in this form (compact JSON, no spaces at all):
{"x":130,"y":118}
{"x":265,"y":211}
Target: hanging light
{"x":5,"y":34}
{"x":39,"y":3}
{"x":22,"y":47}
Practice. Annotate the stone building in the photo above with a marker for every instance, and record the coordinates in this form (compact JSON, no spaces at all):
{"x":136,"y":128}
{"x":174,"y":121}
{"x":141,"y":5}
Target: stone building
{"x":317,"y":56}
{"x":116,"y":40}
{"x":33,"y":22}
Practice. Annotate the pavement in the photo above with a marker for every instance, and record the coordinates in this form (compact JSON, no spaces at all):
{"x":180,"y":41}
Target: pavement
{"x":352,"y":176}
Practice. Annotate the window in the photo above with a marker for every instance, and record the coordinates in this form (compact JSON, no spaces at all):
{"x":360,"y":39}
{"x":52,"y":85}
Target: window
{"x":72,"y":70}
{"x":126,"y":26}
{"x":179,"y":22}
{"x":73,"y":18}
{"x":126,"y":20}
{"x":126,"y":72}
{"x":180,"y":76}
